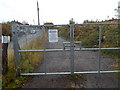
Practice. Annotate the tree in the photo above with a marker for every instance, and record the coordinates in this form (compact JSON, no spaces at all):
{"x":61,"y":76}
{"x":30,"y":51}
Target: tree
{"x":49,"y":23}
{"x":71,"y":21}
{"x":117,"y":12}
{"x":86,"y":21}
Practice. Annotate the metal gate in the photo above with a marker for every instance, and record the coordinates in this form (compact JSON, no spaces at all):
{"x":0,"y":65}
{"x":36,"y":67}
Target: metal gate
{"x":72,"y":49}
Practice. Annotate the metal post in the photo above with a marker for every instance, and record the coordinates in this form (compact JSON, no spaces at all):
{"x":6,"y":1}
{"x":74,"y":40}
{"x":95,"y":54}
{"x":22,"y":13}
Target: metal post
{"x":26,"y":35}
{"x":100,"y":36}
{"x":72,"y":48}
{"x":16,"y":46}
{"x":44,"y":46}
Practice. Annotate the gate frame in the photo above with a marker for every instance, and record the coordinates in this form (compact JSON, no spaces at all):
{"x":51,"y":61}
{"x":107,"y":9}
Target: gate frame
{"x":17,"y":50}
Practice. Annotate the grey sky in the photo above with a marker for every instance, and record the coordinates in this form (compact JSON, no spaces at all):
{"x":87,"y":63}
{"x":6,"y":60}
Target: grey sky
{"x":57,"y":11}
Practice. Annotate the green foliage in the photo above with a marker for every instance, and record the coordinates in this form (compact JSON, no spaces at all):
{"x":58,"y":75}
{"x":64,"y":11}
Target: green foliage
{"x":17,"y":82}
{"x":64,"y":32}
{"x":51,"y":27}
{"x":6,"y":29}
{"x":28,"y":63}
{"x":91,"y":41}
{"x":75,"y":77}
{"x":71,"y":21}
{"x":89,"y":35}
{"x":48,"y":23}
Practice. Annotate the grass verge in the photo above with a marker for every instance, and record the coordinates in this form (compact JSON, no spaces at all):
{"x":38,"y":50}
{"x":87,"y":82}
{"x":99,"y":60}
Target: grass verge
{"x":28,"y":63}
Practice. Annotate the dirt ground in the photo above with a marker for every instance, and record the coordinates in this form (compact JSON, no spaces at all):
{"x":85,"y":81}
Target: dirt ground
{"x":84,"y":61}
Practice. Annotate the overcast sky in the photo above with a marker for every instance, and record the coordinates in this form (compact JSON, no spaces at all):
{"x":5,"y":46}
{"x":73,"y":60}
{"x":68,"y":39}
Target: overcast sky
{"x":57,"y":11}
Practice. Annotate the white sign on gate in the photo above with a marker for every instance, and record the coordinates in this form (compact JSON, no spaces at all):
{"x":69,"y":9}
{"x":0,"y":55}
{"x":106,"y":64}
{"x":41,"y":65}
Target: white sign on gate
{"x":53,"y":35}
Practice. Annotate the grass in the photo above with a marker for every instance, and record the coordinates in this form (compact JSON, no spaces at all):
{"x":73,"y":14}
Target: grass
{"x":28,"y":63}
{"x":89,"y":37}
{"x":75,"y":77}
{"x":31,"y":59}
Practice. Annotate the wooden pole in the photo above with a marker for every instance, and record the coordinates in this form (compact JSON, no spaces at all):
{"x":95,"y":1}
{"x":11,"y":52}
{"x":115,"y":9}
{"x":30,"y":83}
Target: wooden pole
{"x":4,"y":58}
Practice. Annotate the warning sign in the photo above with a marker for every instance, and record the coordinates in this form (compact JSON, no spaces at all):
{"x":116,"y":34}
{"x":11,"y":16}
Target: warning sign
{"x":53,"y":35}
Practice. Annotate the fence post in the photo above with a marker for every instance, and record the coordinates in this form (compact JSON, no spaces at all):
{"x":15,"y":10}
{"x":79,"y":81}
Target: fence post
{"x":72,"y":48}
{"x":16,"y":47}
{"x":100,"y":37}
{"x":44,"y":47}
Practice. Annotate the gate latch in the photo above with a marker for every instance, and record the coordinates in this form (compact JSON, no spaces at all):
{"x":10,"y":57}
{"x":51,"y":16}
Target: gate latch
{"x":67,"y":44}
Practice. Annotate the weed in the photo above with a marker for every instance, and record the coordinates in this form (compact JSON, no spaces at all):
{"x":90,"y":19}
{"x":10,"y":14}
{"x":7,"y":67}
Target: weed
{"x":89,"y":36}
{"x":28,"y":63}
{"x":75,"y":77}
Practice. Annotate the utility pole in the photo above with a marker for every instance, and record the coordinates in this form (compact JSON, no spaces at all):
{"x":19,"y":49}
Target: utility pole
{"x":38,"y":13}
{"x":33,"y":21}
{"x":118,"y":10}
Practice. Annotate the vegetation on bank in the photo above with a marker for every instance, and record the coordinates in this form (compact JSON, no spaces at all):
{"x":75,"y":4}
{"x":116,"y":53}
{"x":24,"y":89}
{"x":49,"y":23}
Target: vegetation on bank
{"x":89,"y":35}
{"x":29,"y":60}
{"x":28,"y":63}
